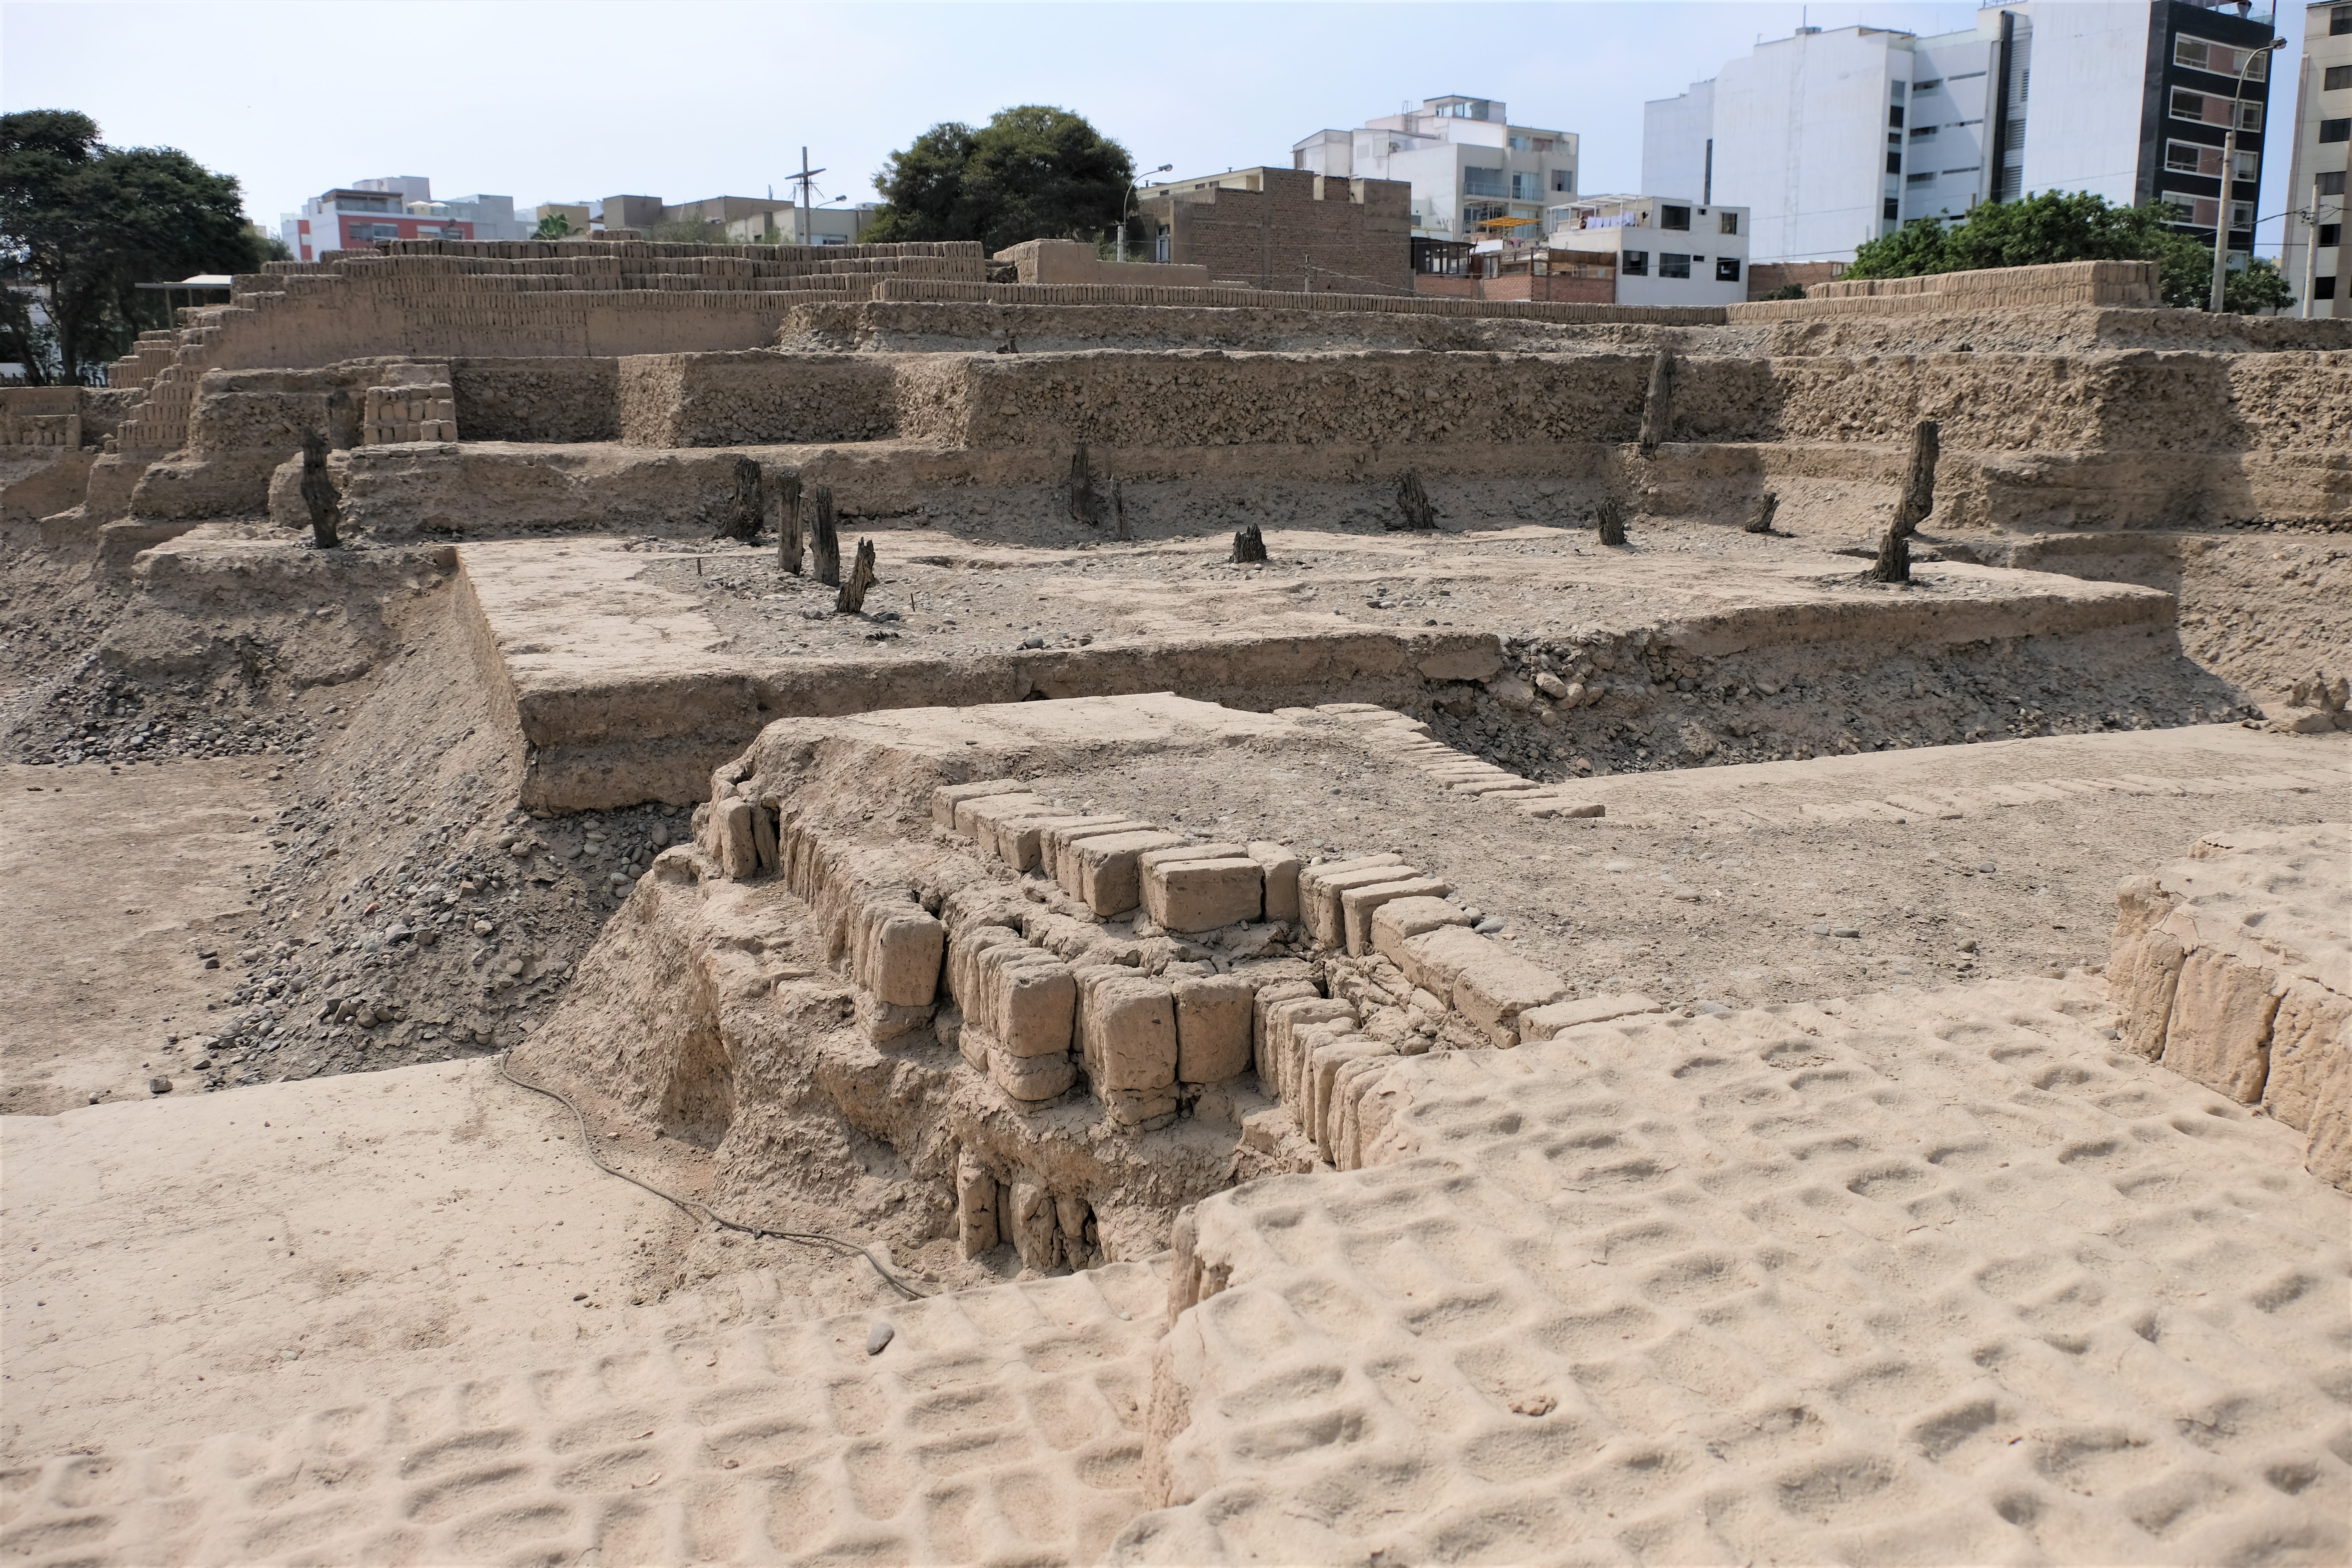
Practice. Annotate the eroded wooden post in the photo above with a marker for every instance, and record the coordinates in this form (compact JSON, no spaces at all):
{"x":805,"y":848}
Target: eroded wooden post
{"x":788,"y":522}
{"x":861,"y":577}
{"x":1657,"y":407}
{"x":1249,"y":545}
{"x":318,"y":498}
{"x":1412,"y":502}
{"x":824,"y":539}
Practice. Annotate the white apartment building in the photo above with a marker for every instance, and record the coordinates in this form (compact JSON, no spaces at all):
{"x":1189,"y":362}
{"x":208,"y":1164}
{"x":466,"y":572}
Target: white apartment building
{"x":2312,"y":253}
{"x":1669,"y":250}
{"x":1836,"y":138}
{"x":1467,"y":164}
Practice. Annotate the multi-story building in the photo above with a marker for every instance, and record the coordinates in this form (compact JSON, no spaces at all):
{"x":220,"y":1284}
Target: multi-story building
{"x":1472,"y":171}
{"x":396,"y":207}
{"x":1834,"y":138}
{"x":2312,"y":255}
{"x":1286,"y":229}
{"x":1667,"y":251}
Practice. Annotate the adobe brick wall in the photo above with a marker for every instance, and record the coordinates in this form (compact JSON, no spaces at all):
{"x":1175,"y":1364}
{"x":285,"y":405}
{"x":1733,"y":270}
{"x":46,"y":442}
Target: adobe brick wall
{"x":2112,"y":284}
{"x":1303,"y":232}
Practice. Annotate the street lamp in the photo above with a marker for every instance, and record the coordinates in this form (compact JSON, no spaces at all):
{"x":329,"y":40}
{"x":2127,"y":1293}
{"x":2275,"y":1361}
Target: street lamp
{"x":2229,"y":174}
{"x":1121,"y":252}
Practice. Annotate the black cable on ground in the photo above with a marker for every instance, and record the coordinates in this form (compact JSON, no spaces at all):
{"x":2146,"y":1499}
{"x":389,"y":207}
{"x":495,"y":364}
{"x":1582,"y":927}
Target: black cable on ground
{"x":703,"y":1212}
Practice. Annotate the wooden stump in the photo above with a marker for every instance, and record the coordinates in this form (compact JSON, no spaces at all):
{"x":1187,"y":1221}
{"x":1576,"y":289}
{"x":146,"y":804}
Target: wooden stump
{"x":1610,"y":518}
{"x":1118,"y":529}
{"x":1919,"y":499}
{"x":1657,"y":407}
{"x":1919,"y":477}
{"x":824,"y":539}
{"x":861,"y":577}
{"x":1249,"y":545}
{"x":741,"y":519}
{"x":1412,"y":502}
{"x":1082,"y":489}
{"x":318,"y":498}
{"x":1761,"y":523}
{"x":788,"y":523}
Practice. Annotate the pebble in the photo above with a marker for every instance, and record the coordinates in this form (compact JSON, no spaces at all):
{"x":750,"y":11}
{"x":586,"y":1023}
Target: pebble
{"x":1970,"y":945}
{"x":1489,"y":926}
{"x":1845,"y":931}
{"x":879,"y":1336}
{"x":481,"y":928}
{"x":1820,"y":930}
{"x":1987,"y":868}
{"x":159,"y":1084}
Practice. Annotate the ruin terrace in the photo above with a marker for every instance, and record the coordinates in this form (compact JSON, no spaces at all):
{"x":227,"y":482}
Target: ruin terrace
{"x":1380,"y":935}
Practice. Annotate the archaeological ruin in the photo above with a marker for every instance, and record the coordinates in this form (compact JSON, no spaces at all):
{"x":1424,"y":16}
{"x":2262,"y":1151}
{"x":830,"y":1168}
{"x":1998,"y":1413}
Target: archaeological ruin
{"x":684,"y":903}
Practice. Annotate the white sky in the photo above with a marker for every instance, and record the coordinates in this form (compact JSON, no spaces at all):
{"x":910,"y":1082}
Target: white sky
{"x":565,"y":101}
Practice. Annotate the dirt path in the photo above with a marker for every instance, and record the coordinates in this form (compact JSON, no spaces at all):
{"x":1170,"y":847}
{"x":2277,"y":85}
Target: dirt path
{"x":117,"y":882}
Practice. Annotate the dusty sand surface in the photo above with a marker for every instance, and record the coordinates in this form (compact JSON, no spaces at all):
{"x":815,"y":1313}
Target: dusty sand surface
{"x":999,"y":1426}
{"x":1933,"y":1278}
{"x":118,"y":883}
{"x":179,"y":1269}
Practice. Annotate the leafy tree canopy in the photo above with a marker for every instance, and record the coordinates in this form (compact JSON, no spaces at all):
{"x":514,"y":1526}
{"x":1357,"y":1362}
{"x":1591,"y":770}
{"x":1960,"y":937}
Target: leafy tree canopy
{"x":1031,"y":173}
{"x":554,"y":225}
{"x":90,"y":222}
{"x":2069,"y":227}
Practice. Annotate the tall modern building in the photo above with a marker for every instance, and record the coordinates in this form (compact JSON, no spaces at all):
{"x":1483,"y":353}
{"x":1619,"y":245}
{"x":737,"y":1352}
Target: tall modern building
{"x":1834,"y":138}
{"x":1468,"y":166}
{"x":2312,"y":255}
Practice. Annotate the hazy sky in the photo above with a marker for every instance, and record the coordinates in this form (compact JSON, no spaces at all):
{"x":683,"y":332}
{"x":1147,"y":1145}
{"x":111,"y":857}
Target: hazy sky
{"x":562,"y":101}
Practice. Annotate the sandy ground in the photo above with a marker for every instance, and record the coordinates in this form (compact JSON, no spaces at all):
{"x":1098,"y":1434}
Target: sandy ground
{"x":117,"y":882}
{"x":187,"y":1267}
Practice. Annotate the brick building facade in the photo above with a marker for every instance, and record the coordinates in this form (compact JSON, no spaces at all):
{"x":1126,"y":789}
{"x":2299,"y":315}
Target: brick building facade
{"x":1291,"y":231}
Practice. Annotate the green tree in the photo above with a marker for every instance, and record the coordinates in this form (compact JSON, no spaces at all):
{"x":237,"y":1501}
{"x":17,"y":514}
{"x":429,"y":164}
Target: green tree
{"x":554,"y":225}
{"x":2065,"y":227}
{"x":1031,"y":173}
{"x":89,"y":223}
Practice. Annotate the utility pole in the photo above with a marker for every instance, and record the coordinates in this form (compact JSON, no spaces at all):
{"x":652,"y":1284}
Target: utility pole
{"x":2229,"y":172}
{"x":803,"y":177}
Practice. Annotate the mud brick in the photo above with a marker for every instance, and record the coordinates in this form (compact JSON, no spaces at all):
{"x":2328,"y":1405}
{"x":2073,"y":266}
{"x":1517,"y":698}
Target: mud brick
{"x":1031,"y":1078}
{"x":1397,"y":921}
{"x":1432,"y":959}
{"x":1212,"y":1026}
{"x":1543,"y":1023}
{"x":1021,"y":841}
{"x":734,"y":839}
{"x":1494,"y":987}
{"x":1111,"y":869}
{"x":901,"y":962}
{"x":1358,"y":905}
{"x":977,"y":819}
{"x":1189,"y":893}
{"x":1130,"y":1032}
{"x":1319,"y":888}
{"x":1054,"y":857}
{"x":945,"y":798}
{"x":1281,"y":866}
{"x":1036,"y":1006}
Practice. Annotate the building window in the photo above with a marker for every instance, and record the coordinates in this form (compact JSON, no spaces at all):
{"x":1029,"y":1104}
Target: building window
{"x":1526,"y":187}
{"x":2328,"y":235}
{"x":2336,"y":79}
{"x":2336,"y":129}
{"x":1673,"y":218}
{"x":2221,"y":59}
{"x":1894,"y":117}
{"x":1477,"y":212}
{"x":1672,"y":266}
{"x":1931,"y":85}
{"x":2198,"y":212}
{"x":1921,"y":132}
{"x":1726,"y":269}
{"x":1634,"y":263}
{"x":1895,"y":162}
{"x":2212,"y":109}
{"x":1925,"y":177}
{"x":2332,"y":183}
{"x":1516,"y":143}
{"x":2339,"y":21}
{"x":1563,"y":180}
{"x":2196,"y":158}
{"x":1893,"y":210}
{"x":1477,"y":181}
{"x":1726,"y":223}
{"x":2323,"y":287}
